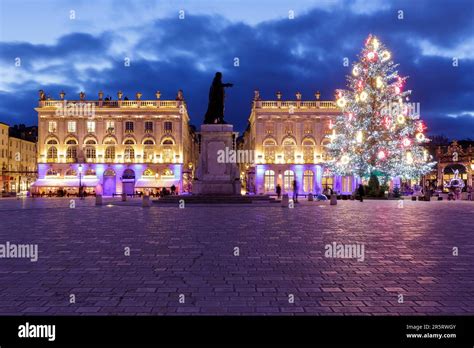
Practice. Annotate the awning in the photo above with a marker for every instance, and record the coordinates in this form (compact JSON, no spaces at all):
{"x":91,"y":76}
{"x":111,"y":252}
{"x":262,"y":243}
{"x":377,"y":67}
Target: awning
{"x":155,"y":183}
{"x":59,"y":182}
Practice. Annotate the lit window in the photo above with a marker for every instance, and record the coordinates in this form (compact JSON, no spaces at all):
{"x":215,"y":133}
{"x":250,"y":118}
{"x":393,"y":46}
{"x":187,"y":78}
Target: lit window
{"x":148,"y":126}
{"x":90,"y":126}
{"x":327,"y":182}
{"x":110,"y":153}
{"x":129,"y":153}
{"x":52,"y":126}
{"x":110,"y":126}
{"x":71,"y":126}
{"x":90,"y":152}
{"x":308,"y":181}
{"x":269,"y":180}
{"x":288,"y":178}
{"x":346,"y":184}
{"x":129,"y":126}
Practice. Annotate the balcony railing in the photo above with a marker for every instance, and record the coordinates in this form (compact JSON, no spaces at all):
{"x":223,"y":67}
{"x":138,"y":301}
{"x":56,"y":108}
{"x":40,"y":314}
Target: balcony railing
{"x":115,"y":103}
{"x":302,"y":105}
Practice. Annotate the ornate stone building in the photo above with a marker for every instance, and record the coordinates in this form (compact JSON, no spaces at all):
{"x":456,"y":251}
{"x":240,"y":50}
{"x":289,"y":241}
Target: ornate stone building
{"x":3,"y":157}
{"x":451,"y":158}
{"x":288,"y":138}
{"x":124,"y":145}
{"x":17,"y":161}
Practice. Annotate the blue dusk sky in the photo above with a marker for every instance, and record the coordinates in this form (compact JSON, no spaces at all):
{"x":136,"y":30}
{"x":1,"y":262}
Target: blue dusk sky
{"x":167,"y":53}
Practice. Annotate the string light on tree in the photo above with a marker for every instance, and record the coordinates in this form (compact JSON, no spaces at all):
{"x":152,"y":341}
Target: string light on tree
{"x":369,"y":136}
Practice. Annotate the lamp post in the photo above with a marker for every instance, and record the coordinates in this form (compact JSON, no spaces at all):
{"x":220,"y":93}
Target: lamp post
{"x":80,"y":182}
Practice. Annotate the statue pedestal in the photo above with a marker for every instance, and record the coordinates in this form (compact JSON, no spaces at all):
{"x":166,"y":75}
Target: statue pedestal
{"x":215,"y":176}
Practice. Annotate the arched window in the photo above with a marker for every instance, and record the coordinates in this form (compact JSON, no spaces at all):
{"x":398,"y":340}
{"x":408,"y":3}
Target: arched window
{"x":129,"y":142}
{"x":167,"y":172}
{"x":167,"y":141}
{"x":70,"y":172}
{"x":324,"y":143}
{"x":52,"y":142}
{"x":289,"y":150}
{"x":110,"y":153}
{"x":128,"y":174}
{"x":148,"y":154}
{"x":308,"y":151}
{"x":52,"y":153}
{"x":129,"y":153}
{"x":51,"y":172}
{"x":269,"y":146}
{"x":327,"y":182}
{"x":71,"y":153}
{"x":91,"y":142}
{"x":269,"y":180}
{"x":288,"y":178}
{"x":110,"y":141}
{"x":308,"y":181}
{"x":90,"y":172}
{"x":109,"y":172}
{"x":167,"y":149}
{"x":71,"y":142}
{"x":148,"y":172}
{"x":347,"y":184}
{"x":148,"y":142}
{"x":90,"y":152}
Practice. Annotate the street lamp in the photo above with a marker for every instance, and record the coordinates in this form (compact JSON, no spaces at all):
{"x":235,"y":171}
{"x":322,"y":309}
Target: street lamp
{"x":80,"y":182}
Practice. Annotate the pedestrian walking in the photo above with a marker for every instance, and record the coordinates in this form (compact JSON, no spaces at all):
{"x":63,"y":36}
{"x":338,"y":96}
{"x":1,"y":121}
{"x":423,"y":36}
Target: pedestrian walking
{"x":295,"y":191}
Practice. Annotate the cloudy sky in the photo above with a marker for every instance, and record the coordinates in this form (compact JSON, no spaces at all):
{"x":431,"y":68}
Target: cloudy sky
{"x":305,"y":53}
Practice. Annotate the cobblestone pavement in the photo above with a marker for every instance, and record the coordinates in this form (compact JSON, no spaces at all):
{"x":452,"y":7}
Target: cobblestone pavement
{"x":408,"y":251}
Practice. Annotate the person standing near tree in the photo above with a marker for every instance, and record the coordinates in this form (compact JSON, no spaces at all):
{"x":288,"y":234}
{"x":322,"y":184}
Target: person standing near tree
{"x":361,"y":192}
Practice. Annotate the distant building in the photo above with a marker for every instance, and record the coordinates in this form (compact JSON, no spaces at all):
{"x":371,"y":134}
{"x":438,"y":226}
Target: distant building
{"x":288,"y":139}
{"x":457,"y":156}
{"x":124,"y":145}
{"x":17,"y":158}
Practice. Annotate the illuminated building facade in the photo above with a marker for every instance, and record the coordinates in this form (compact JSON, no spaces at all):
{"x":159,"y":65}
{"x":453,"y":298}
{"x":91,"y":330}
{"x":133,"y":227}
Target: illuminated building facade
{"x":124,"y":145}
{"x":17,"y":160}
{"x":288,"y":138}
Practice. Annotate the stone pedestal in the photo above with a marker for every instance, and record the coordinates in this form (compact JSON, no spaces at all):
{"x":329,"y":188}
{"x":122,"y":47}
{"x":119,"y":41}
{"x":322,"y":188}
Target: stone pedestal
{"x":217,"y":173}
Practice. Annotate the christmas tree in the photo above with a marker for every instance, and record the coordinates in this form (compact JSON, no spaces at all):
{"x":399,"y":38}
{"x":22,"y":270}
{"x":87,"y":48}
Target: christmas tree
{"x":378,"y":132}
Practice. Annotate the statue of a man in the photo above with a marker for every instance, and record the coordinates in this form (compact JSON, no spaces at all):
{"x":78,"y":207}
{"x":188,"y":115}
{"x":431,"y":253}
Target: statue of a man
{"x":215,"y":108}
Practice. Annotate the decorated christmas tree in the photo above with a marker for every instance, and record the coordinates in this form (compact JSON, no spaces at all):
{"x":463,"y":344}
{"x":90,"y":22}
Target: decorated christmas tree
{"x":379,"y":132}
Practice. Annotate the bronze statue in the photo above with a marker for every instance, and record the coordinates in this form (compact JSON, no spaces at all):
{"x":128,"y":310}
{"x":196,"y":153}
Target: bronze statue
{"x":215,"y":108}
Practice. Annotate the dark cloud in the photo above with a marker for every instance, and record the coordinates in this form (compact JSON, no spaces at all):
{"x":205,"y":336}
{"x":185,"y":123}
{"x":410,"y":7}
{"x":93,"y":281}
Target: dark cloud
{"x":304,"y":54}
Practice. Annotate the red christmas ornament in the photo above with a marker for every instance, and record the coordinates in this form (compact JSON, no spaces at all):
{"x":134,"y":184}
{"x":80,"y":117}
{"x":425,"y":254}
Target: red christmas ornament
{"x":371,"y":56}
